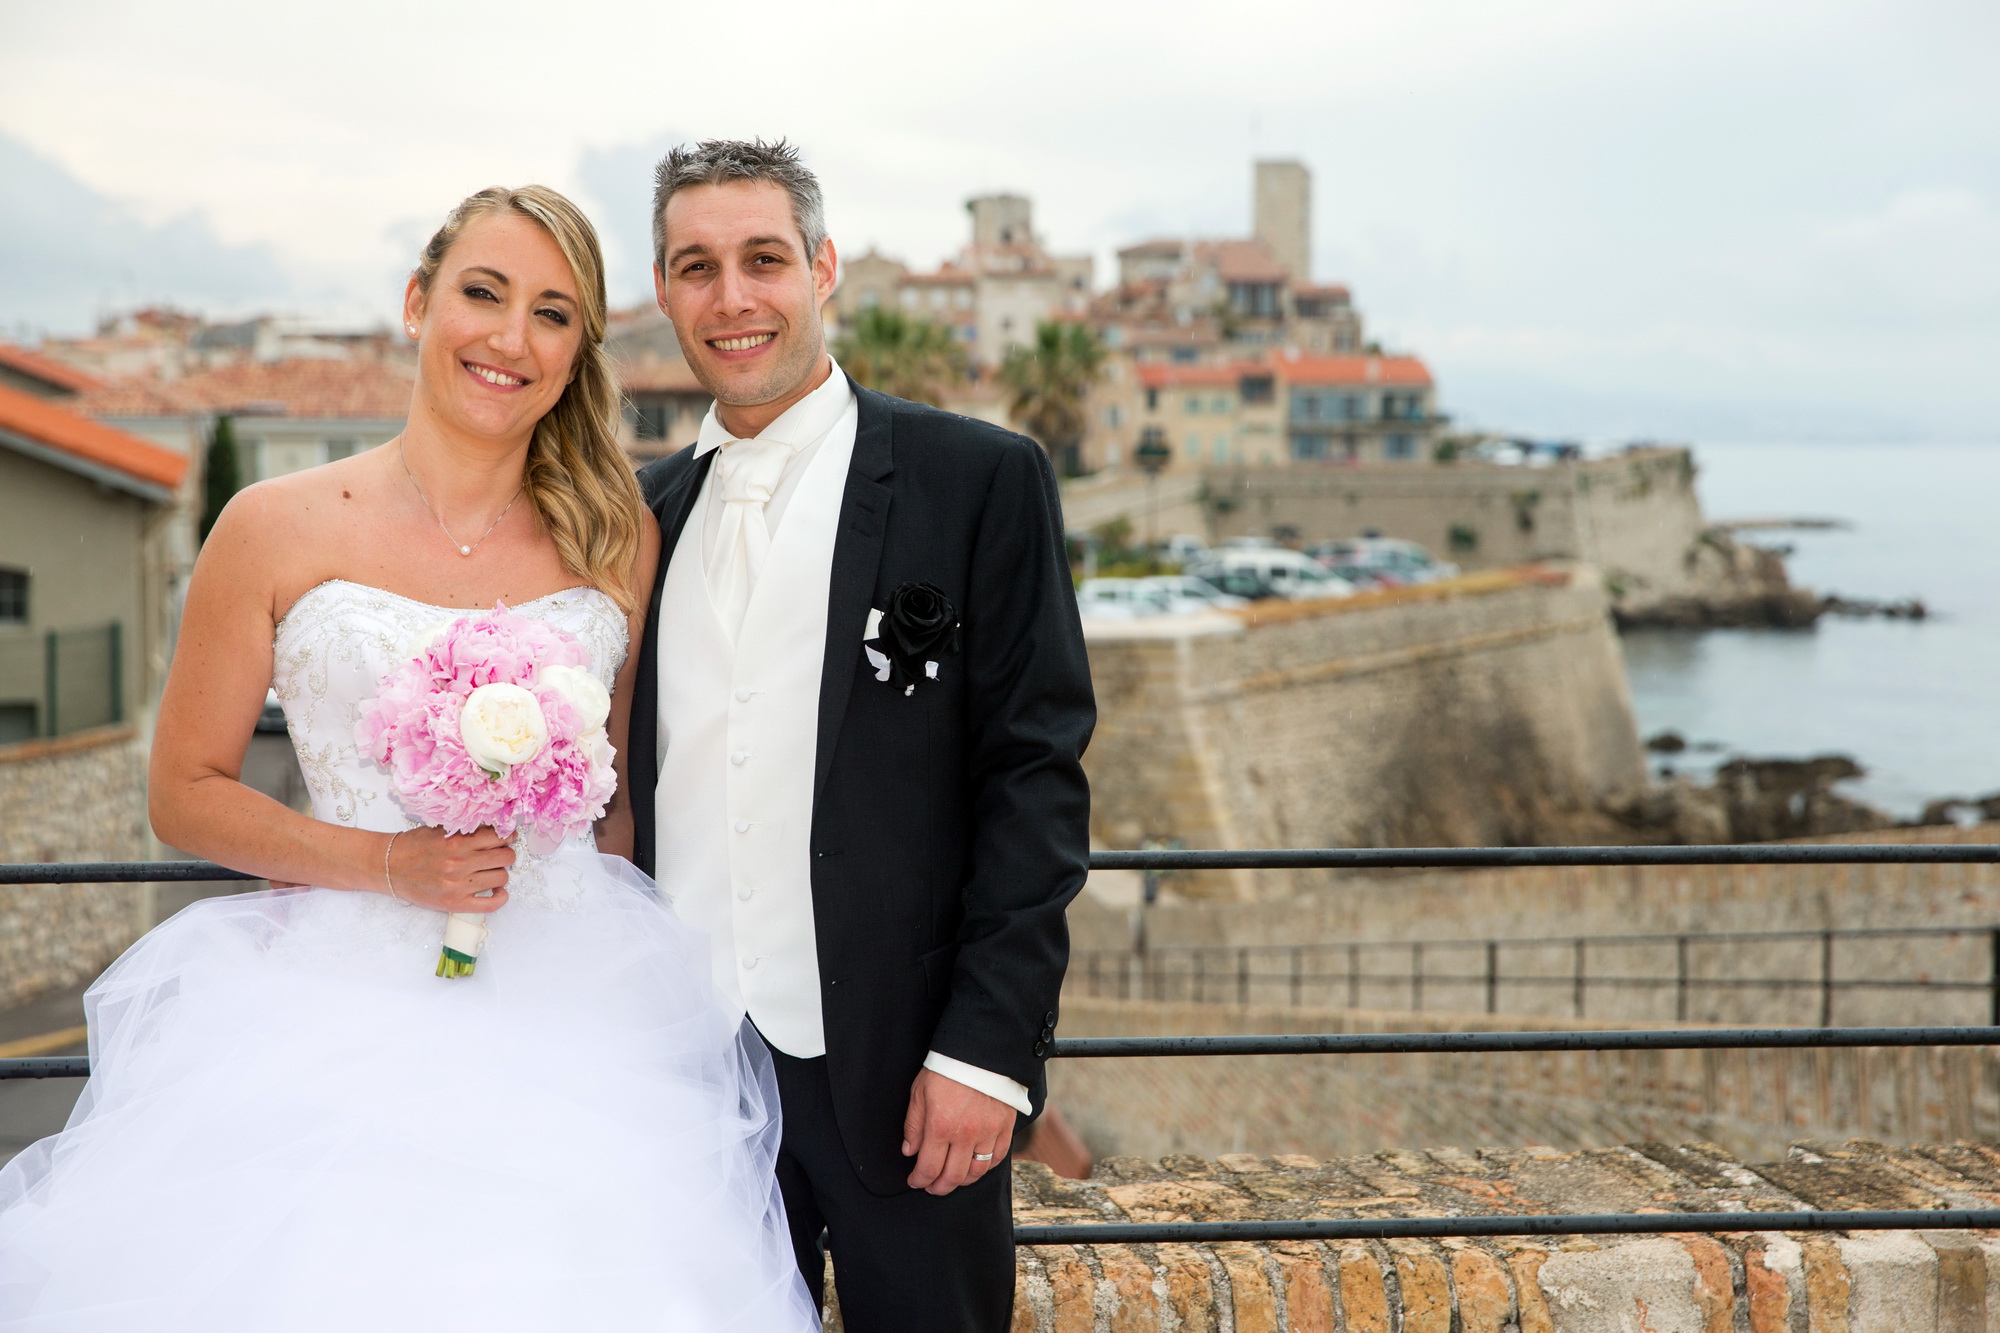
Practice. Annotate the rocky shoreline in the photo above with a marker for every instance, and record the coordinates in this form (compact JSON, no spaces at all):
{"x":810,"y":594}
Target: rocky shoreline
{"x":1741,"y":585}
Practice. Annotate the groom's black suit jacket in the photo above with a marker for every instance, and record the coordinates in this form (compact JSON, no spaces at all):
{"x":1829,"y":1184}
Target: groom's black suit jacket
{"x":950,"y":826}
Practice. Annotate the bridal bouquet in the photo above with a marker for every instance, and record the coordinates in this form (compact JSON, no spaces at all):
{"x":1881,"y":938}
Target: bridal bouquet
{"x":494,"y":719}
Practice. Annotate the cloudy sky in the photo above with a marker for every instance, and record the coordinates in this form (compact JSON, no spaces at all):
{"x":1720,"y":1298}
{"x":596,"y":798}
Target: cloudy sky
{"x":1751,"y":219}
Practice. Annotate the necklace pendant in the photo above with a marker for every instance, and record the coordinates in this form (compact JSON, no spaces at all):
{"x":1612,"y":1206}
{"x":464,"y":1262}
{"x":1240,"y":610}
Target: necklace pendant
{"x":465,"y":550}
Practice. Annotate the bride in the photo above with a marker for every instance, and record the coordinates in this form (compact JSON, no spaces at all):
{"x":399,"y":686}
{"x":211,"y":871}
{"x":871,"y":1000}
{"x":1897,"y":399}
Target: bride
{"x":291,"y":1122}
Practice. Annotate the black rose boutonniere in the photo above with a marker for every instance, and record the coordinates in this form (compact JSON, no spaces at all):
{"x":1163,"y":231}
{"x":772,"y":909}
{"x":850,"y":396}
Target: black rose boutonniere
{"x":919,"y":626}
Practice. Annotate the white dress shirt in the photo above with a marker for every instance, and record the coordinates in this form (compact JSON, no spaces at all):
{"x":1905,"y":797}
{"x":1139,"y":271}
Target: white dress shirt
{"x":823,"y":421}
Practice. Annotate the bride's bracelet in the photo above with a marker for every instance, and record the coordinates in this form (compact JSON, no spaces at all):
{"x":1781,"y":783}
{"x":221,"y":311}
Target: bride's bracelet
{"x":386,"y":852}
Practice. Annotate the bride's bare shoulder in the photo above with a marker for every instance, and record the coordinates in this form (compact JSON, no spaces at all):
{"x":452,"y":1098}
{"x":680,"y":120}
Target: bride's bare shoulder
{"x":273,"y":535}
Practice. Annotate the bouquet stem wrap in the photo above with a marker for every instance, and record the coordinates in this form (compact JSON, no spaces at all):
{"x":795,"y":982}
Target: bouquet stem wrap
{"x":464,"y":937}
{"x":494,"y":721}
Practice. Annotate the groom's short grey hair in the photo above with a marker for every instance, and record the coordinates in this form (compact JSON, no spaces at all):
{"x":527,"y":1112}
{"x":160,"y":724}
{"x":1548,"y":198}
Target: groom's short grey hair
{"x":719,"y":161}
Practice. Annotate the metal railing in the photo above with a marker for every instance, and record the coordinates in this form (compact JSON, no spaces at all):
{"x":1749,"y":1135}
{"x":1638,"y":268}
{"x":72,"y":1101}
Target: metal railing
{"x":1375,"y":1043}
{"x":1690,"y":968}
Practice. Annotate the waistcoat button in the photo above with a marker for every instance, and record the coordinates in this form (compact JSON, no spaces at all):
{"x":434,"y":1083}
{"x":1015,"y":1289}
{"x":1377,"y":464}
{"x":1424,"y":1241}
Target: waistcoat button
{"x":743,"y":696}
{"x":742,"y":826}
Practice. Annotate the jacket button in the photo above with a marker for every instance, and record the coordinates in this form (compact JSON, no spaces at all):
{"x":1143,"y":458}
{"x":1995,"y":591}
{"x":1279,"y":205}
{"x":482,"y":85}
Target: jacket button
{"x":738,"y":757}
{"x":1049,"y":1018}
{"x":743,"y":696}
{"x":1048,"y":1034}
{"x":742,"y":826}
{"x":1041,"y":1049}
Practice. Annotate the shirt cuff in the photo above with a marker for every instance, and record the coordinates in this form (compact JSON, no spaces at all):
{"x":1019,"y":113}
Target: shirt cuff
{"x":997,"y":1086}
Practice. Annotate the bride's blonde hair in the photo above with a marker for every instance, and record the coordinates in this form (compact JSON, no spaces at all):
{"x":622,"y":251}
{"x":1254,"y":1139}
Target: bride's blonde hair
{"x":577,"y":475}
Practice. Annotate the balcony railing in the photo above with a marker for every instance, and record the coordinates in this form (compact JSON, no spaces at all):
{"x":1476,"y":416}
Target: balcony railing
{"x":1359,"y":1044}
{"x":1697,"y":975}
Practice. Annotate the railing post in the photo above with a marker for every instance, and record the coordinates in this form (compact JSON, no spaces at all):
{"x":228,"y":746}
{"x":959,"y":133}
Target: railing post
{"x":1681,"y":977}
{"x":1994,"y":984}
{"x":1417,"y":977}
{"x":1492,"y":976}
{"x":1298,"y":961}
{"x":51,"y":664}
{"x":1826,"y":979}
{"x":1354,"y":976}
{"x":1200,"y":975}
{"x":1578,"y":999}
{"x":117,"y":654}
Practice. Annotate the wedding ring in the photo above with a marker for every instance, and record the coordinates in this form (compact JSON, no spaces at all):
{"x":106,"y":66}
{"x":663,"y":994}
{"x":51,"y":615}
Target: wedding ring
{"x":982,"y":1157}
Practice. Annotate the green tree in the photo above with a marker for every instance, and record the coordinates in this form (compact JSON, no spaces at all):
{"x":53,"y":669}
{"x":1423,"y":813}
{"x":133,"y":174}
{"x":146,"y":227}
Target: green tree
{"x":909,"y":358}
{"x":221,"y":473}
{"x":1051,"y":383}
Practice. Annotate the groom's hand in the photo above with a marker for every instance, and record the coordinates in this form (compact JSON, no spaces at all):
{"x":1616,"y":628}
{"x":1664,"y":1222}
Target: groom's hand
{"x":948,"y":1125}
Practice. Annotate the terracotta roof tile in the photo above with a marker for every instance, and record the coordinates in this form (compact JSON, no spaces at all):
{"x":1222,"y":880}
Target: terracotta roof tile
{"x":1400,"y":371}
{"x":305,"y":388}
{"x":136,"y":396}
{"x":1155,"y":375}
{"x":88,"y":441}
{"x":45,"y":369}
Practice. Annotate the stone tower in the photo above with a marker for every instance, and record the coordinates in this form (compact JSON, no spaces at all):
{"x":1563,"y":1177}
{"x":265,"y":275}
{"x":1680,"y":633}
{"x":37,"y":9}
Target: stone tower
{"x":1000,"y":220}
{"x":1284,"y":215}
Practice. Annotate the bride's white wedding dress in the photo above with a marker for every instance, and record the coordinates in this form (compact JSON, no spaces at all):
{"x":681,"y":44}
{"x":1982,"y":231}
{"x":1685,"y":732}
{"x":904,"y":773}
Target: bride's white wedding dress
{"x":292,"y":1124}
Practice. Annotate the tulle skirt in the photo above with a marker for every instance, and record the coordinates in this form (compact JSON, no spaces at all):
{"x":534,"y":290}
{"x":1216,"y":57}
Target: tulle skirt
{"x":292,"y":1124}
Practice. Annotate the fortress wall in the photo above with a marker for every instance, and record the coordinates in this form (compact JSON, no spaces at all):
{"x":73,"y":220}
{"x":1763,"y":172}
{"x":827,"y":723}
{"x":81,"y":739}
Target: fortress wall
{"x":1489,"y":710}
{"x":1635,"y":517}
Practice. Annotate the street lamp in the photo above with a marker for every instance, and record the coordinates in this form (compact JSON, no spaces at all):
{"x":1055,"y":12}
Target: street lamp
{"x":1152,"y":455}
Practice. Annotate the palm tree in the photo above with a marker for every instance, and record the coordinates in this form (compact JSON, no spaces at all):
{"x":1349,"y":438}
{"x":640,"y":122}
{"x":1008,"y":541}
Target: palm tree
{"x":910,"y":358}
{"x":1051,"y":383}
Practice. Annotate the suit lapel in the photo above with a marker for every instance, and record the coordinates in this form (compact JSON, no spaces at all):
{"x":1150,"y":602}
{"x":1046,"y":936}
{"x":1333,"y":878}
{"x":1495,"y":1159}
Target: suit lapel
{"x":857,"y":555}
{"x":671,"y":507}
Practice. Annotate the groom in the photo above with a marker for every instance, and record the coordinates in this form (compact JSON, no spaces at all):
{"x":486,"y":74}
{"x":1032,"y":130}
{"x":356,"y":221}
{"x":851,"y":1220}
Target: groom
{"x":856,"y":751}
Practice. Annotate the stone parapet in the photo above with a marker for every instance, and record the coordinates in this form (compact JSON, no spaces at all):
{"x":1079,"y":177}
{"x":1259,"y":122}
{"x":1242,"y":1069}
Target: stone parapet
{"x":1756,"y":1282}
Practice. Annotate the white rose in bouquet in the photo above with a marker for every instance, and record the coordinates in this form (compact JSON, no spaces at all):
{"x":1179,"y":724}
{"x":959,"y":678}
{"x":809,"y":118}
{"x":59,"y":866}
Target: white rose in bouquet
{"x":581,"y":691}
{"x":502,"y":725}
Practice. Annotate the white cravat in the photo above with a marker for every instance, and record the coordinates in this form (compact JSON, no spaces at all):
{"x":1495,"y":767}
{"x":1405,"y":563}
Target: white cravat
{"x":747,"y":473}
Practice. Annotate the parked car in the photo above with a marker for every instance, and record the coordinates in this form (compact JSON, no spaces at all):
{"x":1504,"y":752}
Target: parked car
{"x":1183,"y":548}
{"x":1245,"y":584}
{"x":1184,"y":593}
{"x":1289,"y":573}
{"x":1381,"y":562}
{"x":1119,"y":599}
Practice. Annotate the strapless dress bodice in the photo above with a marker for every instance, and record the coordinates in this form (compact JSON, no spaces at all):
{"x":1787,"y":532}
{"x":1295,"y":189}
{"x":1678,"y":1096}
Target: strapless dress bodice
{"x":337,"y":642}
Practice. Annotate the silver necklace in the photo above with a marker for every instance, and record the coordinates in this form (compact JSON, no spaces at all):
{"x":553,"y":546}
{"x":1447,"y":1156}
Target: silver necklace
{"x":462,"y":548}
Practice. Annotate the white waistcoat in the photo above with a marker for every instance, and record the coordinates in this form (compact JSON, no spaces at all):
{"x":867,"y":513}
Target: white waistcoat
{"x":739,"y":729}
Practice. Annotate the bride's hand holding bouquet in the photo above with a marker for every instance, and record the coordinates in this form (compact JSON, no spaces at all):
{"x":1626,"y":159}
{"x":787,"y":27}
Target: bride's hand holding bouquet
{"x":491,"y":728}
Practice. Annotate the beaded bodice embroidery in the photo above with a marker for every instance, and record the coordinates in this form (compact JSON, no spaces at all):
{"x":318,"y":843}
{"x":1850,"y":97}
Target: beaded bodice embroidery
{"x":338,"y":641}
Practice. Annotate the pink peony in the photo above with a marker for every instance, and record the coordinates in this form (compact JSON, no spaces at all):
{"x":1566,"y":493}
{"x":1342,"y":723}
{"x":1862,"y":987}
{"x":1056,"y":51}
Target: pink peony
{"x":411,"y":728}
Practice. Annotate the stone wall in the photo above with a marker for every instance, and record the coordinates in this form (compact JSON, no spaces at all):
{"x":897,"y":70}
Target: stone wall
{"x":75,"y":798}
{"x":1751,"y":1102}
{"x":1635,"y":516}
{"x":1491,"y":710}
{"x":1748,"y":1282}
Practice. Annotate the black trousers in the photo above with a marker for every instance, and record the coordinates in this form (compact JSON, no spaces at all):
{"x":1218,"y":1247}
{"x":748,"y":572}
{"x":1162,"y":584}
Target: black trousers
{"x":905,"y":1263}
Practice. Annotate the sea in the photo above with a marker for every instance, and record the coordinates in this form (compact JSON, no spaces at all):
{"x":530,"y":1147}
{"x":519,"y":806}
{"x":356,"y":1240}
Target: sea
{"x":1915,"y":703}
